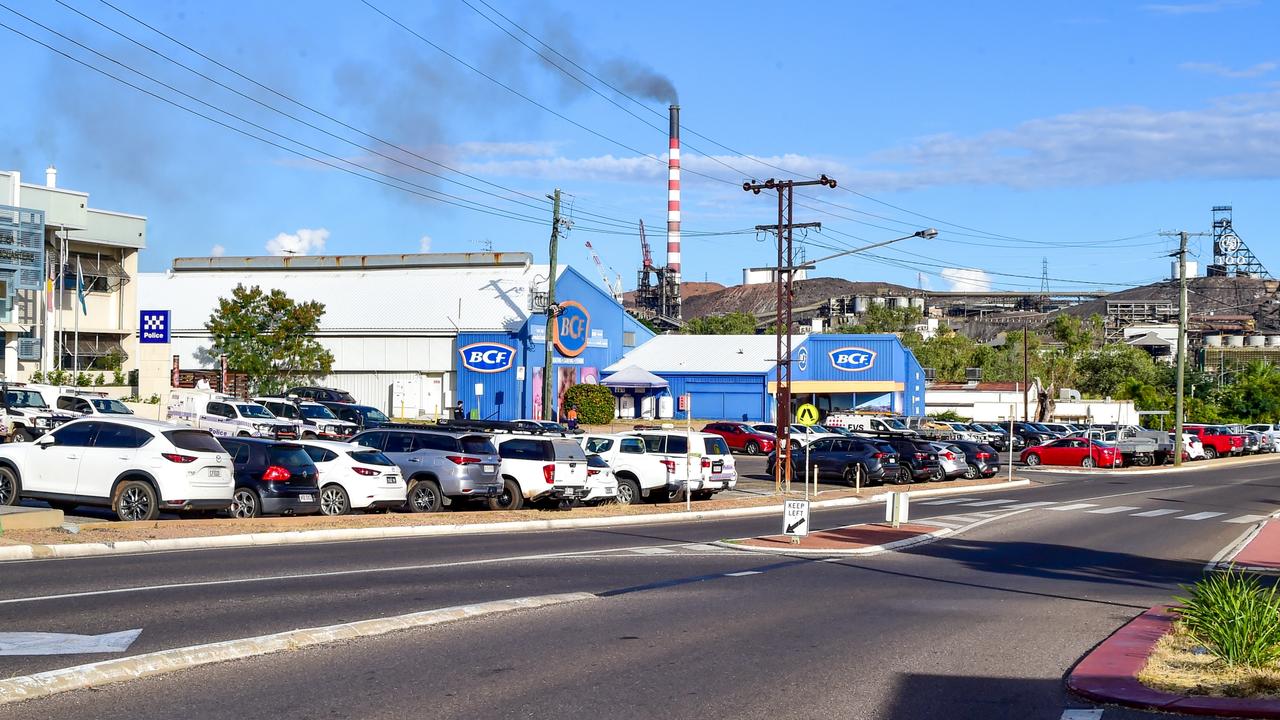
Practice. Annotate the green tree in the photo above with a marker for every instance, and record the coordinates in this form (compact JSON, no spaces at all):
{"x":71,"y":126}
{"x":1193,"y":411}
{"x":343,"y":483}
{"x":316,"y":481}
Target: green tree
{"x":1104,"y":372}
{"x":734,"y":323}
{"x":269,"y":337}
{"x":1253,"y":394}
{"x":948,"y":354}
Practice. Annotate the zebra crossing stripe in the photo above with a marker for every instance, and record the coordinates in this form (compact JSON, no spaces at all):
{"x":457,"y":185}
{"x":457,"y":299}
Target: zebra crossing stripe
{"x":1116,"y":509}
{"x":1201,"y":516}
{"x":744,"y":573}
{"x":1247,"y":519}
{"x":1028,"y":506}
{"x":947,"y":502}
{"x":1075,"y":506}
{"x":984,"y":503}
{"x":651,"y":550}
{"x":1155,"y":513}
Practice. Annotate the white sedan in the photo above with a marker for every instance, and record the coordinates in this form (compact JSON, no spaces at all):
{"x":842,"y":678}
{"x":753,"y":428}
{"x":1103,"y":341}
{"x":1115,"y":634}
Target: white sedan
{"x":602,"y":486}
{"x":353,"y":477}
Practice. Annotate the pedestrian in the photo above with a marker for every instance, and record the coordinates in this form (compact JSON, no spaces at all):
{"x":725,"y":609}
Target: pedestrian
{"x":457,"y":411}
{"x":573,"y":418}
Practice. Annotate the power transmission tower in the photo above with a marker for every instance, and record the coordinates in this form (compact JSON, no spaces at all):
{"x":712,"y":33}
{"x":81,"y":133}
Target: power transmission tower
{"x":1044,"y":283}
{"x":784,"y":290}
{"x":1181,"y":254}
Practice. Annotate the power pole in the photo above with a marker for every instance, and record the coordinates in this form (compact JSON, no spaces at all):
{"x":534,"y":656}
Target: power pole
{"x":1181,"y":254}
{"x":784,"y":290}
{"x":548,"y":396}
{"x":1026,"y":380}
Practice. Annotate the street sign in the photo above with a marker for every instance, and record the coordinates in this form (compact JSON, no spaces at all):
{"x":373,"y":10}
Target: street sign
{"x":153,"y":327}
{"x":795,"y":518}
{"x":807,"y":415}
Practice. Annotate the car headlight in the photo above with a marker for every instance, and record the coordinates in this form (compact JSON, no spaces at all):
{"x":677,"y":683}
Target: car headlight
{"x":43,"y":422}
{"x":262,"y":427}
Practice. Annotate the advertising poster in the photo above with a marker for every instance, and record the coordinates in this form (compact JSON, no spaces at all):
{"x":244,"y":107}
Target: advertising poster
{"x":590,"y":376}
{"x":568,"y":377}
{"x":537,"y":392}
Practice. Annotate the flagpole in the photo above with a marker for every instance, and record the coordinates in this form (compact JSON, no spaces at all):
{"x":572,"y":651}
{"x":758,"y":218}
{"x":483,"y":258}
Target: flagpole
{"x":62,"y":281}
{"x":75,"y":362}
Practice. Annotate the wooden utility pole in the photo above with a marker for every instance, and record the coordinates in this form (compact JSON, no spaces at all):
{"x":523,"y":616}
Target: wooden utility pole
{"x":1026,"y":377}
{"x":548,"y":393}
{"x":1178,"y":410}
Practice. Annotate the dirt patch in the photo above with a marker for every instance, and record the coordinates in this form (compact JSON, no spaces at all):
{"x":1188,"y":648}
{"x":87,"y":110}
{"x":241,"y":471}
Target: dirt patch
{"x":1181,"y":666}
{"x":853,"y":537}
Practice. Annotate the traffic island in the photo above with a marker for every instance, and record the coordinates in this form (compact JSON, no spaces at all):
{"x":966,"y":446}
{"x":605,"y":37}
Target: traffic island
{"x":849,"y":540}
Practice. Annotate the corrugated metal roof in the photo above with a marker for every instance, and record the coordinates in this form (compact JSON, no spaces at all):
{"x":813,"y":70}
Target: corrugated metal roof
{"x":705,"y":354}
{"x":284,"y":263}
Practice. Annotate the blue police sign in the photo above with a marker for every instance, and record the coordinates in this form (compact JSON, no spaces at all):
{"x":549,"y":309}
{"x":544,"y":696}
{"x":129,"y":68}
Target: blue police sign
{"x":153,"y":327}
{"x":852,"y":359}
{"x":487,"y":357}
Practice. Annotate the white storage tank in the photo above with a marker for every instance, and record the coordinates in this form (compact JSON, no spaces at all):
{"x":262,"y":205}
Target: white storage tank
{"x":877,"y":300}
{"x":1255,"y":341}
{"x":1213,"y":341}
{"x":917,"y":303}
{"x":897,"y":302}
{"x":1273,"y":341}
{"x":1235,"y":340}
{"x":860,"y":304}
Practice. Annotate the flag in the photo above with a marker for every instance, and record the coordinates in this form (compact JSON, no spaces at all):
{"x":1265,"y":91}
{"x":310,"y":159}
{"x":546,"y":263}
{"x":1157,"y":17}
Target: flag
{"x":48,"y":290}
{"x":84,"y":308}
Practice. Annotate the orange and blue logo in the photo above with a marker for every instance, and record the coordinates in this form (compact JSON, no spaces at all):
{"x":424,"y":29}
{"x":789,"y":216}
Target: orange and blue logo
{"x":572,"y":329}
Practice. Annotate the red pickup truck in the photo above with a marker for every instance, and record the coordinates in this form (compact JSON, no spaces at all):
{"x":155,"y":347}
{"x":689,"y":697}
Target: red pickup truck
{"x":1218,"y":440}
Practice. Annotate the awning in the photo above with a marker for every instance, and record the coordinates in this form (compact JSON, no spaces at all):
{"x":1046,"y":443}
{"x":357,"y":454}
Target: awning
{"x":96,"y":266}
{"x":634,"y":378}
{"x":93,"y":347}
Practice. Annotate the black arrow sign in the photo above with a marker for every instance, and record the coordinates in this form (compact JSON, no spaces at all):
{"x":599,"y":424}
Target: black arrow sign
{"x":792,"y":528}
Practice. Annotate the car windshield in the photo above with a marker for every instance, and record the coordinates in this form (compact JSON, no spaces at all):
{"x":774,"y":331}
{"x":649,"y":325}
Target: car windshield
{"x":372,"y":415}
{"x":317,"y":412}
{"x":477,"y":445}
{"x":895,"y":424}
{"x":286,"y":411}
{"x":107,"y":406}
{"x":596,"y":461}
{"x":370,"y":457}
{"x":24,"y":399}
{"x":254,"y":411}
{"x":553,"y":426}
{"x":292,"y":457}
{"x":194,"y":440}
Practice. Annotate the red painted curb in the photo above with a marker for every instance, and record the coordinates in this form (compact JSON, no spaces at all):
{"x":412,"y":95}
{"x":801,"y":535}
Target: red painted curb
{"x":1263,"y":551}
{"x":1109,"y":674}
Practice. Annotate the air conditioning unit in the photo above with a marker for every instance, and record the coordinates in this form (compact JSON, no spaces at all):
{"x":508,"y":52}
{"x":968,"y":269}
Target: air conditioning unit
{"x":28,"y":348}
{"x":973,"y":374}
{"x":930,"y":374}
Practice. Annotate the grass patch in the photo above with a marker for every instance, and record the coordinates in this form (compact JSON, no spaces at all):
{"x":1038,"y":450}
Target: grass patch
{"x":1181,"y":665}
{"x":1234,"y":618}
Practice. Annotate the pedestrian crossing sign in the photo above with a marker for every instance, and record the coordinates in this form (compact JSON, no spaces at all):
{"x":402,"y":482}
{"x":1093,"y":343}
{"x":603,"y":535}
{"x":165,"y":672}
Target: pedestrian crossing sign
{"x":807,"y":415}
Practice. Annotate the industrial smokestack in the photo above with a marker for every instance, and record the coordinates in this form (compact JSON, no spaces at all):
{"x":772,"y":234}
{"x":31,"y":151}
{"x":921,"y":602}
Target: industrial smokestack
{"x":51,"y":177}
{"x":673,"y":197}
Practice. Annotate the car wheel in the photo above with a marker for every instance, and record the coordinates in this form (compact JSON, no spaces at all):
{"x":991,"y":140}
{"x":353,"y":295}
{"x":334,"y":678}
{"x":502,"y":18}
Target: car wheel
{"x":242,"y":433}
{"x":751,"y":448}
{"x":702,"y":495}
{"x":245,"y":504}
{"x":136,"y":500}
{"x":511,"y":498}
{"x":1210,"y":452}
{"x":308,"y":436}
{"x":334,"y":500}
{"x":1144,"y":460}
{"x":1033,"y":459}
{"x":22,"y":435}
{"x":903,"y":477}
{"x":10,"y":490}
{"x":855,"y":476}
{"x":971,"y":472}
{"x":628,"y":491}
{"x":424,"y":496}
{"x":1088,"y":462}
{"x":938,"y":475}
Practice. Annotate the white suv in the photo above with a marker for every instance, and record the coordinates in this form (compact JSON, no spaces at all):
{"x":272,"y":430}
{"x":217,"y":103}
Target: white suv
{"x":354,"y":477}
{"x":661,"y":464}
{"x":538,"y":468}
{"x":136,"y":467}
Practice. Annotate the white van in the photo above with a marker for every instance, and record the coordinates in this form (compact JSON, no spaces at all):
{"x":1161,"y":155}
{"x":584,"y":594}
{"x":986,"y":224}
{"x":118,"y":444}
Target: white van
{"x":227,"y":415}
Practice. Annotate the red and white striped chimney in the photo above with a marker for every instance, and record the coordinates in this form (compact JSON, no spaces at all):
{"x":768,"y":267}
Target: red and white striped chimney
{"x":673,"y":196}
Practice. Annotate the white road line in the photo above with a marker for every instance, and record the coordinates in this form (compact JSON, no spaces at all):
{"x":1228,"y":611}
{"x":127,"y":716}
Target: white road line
{"x":974,"y":517}
{"x":1073,"y":506}
{"x":1138,"y":492}
{"x":1155,"y":513}
{"x":1247,"y":519}
{"x":1028,"y":506}
{"x":703,"y":547}
{"x":744,"y":573}
{"x":1201,"y":516}
{"x":650,"y":550}
{"x":1116,"y":509}
{"x":940,"y":523}
{"x":984,"y":503}
{"x":1092,"y":714}
{"x":947,"y":502}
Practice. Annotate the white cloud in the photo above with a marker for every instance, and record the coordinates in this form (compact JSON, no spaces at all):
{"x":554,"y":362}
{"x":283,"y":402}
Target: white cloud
{"x":424,"y":244}
{"x":967,"y":280}
{"x":1196,"y":8}
{"x":218,"y":251}
{"x":1213,"y":68}
{"x":305,"y":241}
{"x":504,"y":149}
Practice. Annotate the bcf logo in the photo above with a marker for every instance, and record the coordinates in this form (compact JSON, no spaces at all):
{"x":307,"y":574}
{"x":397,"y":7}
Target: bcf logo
{"x":573,"y":327}
{"x":487,"y":357}
{"x":852,"y":359}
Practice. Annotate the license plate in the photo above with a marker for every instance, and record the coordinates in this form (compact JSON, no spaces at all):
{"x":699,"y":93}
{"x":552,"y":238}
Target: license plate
{"x":489,"y":468}
{"x":717,"y":466}
{"x":570,"y":492}
{"x":215,"y":472}
{"x":392,"y":479}
{"x":306,"y":498}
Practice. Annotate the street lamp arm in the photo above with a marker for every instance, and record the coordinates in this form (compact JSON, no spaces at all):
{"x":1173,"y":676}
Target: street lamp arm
{"x":928,"y":234}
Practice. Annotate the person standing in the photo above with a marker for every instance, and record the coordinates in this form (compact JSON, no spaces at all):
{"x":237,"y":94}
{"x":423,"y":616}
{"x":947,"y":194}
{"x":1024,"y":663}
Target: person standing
{"x":573,"y":418}
{"x":457,"y":411}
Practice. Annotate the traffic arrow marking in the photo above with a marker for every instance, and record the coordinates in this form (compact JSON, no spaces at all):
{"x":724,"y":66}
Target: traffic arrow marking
{"x":792,"y":527}
{"x":43,"y":643}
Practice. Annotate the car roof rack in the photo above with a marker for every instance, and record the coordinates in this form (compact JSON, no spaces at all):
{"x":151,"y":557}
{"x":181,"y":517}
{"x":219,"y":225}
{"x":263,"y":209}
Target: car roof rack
{"x":497,"y":426}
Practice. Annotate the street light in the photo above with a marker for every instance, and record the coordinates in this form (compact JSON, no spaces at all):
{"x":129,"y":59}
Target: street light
{"x":927,"y":234}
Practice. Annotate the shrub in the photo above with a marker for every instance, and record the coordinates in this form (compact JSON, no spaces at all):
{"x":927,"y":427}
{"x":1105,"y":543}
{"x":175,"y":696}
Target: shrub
{"x":56,"y":377}
{"x":118,"y":378}
{"x":82,"y":380}
{"x":37,"y":377}
{"x":1234,"y":618}
{"x":595,"y":403}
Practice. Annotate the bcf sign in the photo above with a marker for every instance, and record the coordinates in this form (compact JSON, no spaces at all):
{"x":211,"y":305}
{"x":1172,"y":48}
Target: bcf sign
{"x":852,"y":359}
{"x":572,"y":329}
{"x":487,"y":357}
{"x":153,"y":327}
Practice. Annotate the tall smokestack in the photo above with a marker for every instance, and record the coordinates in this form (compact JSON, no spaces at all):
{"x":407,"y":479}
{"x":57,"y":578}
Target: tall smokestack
{"x":673,"y":196}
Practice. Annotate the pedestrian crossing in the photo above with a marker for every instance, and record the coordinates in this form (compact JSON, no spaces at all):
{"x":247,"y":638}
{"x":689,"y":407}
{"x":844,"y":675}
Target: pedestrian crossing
{"x":998,"y":506}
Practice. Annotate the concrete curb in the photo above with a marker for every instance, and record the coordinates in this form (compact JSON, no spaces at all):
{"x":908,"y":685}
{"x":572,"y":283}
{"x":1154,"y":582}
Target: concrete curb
{"x":868,"y":550}
{"x":29,"y":687}
{"x":126,"y":547}
{"x":1109,"y":674}
{"x":1186,"y":467}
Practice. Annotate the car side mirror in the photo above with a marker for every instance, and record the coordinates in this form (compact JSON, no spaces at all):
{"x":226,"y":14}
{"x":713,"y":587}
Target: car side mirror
{"x":44,"y":441}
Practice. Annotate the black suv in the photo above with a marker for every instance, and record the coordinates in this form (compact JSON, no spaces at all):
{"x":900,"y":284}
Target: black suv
{"x":364,"y":416}
{"x":272,"y":478}
{"x":320,"y":394}
{"x":917,"y":460}
{"x":856,"y":461}
{"x":1031,"y":434}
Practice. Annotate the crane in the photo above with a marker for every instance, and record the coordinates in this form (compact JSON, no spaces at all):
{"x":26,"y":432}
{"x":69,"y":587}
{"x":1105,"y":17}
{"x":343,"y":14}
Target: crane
{"x":646,"y":256}
{"x":615,"y":289}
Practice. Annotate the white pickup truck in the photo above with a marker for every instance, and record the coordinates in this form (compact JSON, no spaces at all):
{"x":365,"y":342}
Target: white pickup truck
{"x":660,"y":465}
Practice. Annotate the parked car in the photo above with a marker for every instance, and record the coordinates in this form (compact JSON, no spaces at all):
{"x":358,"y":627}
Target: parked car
{"x":703,"y":458}
{"x":272,"y":477}
{"x":741,"y":436}
{"x":440,"y":466}
{"x":659,"y":465}
{"x":135,"y":467}
{"x":1218,"y":440}
{"x":951,"y":461}
{"x":1059,"y":429}
{"x":316,"y":420}
{"x":639,"y":473}
{"x":1270,"y":431}
{"x":1031,"y":434}
{"x":227,"y":415}
{"x":25,"y":414}
{"x":765,"y":429}
{"x":917,"y":460}
{"x":321,"y":394}
{"x":354,"y":477}
{"x":1252,"y":442}
{"x":981,"y":459}
{"x":856,"y":462}
{"x":539,"y":469}
{"x":962,"y":431}
{"x":1192,"y":448}
{"x":545,"y":426}
{"x":602,"y":484}
{"x":1072,"y":451}
{"x":1135,"y":448}
{"x":363,"y":417}
{"x":82,"y":405}
{"x":1001,"y":439}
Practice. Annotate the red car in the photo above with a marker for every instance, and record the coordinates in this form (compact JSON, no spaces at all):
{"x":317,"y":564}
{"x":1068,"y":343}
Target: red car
{"x":741,"y":436}
{"x":1072,"y":451}
{"x":1218,"y":440}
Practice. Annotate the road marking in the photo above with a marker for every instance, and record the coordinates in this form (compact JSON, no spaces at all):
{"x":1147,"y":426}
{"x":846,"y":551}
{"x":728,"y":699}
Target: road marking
{"x":983,"y":503}
{"x":969,"y":517}
{"x":1247,"y":519}
{"x":703,"y":547}
{"x":744,"y":573}
{"x":1028,"y":506}
{"x":1139,"y":492}
{"x":1074,"y":506}
{"x":45,"y":643}
{"x":941,"y":523}
{"x":1201,"y":516}
{"x":650,"y":550}
{"x":1116,"y":509}
{"x":1082,"y":714}
{"x":947,"y":502}
{"x":1156,"y":513}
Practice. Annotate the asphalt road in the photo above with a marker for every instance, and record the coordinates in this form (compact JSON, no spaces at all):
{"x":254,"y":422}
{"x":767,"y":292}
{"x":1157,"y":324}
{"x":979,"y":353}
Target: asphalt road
{"x":982,"y":624}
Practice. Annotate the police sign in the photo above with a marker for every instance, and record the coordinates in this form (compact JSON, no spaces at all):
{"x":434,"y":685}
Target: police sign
{"x":487,"y":357}
{"x":153,"y":327}
{"x":852,"y":359}
{"x":572,"y":329}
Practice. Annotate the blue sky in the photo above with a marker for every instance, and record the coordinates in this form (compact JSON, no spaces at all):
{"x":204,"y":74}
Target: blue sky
{"x":1021,"y":131}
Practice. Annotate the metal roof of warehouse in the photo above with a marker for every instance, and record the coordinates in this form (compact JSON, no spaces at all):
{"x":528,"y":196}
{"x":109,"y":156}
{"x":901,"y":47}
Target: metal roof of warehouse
{"x":705,"y":354}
